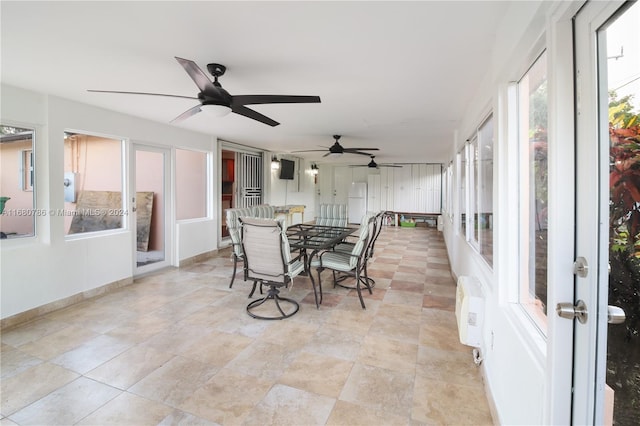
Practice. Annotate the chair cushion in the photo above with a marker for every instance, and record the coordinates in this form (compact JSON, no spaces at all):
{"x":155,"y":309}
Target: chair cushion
{"x":233,"y":226}
{"x":293,"y":268}
{"x":332,"y":215}
{"x":343,"y":260}
{"x":264,"y":211}
{"x":335,"y":260}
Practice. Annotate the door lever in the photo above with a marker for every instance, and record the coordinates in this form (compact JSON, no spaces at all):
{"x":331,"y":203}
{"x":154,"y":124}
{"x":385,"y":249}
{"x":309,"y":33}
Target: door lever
{"x":615,"y":315}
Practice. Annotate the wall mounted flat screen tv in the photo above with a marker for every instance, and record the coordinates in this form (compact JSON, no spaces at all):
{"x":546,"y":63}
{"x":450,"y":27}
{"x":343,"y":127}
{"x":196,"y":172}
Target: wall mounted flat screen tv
{"x":286,"y":169}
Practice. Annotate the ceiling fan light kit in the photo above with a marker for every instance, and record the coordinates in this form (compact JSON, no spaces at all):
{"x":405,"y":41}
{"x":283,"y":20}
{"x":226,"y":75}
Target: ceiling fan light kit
{"x":213,"y":98}
{"x":216,"y":110}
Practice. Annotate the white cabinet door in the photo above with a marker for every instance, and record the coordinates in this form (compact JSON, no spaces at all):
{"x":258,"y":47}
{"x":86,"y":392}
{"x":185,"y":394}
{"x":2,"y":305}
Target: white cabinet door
{"x":403,"y":189}
{"x":342,"y":178}
{"x":418,"y":177}
{"x":324,"y":187}
{"x":433,"y":184}
{"x":373,"y":193}
{"x":359,"y":174}
{"x":386,"y":188}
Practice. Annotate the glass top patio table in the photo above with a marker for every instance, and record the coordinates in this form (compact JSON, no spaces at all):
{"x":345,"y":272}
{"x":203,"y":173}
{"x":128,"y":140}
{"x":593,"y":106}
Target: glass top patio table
{"x":317,"y":237}
{"x":312,"y":239}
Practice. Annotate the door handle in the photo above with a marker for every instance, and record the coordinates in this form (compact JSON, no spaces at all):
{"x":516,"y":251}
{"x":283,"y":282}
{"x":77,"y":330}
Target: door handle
{"x":569,"y":311}
{"x":615,"y":315}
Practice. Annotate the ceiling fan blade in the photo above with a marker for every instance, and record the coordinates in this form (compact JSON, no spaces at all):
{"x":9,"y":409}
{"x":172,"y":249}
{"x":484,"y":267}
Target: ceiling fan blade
{"x":243,"y":110}
{"x":197,"y":75}
{"x":362,"y":149}
{"x":313,"y":150}
{"x":141,"y":93}
{"x":352,"y":151}
{"x":310,"y":150}
{"x":273,"y":99}
{"x":388,"y":165}
{"x":188,"y":113}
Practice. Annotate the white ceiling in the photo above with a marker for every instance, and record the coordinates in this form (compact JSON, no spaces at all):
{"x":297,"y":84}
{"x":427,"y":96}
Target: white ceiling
{"x":391,"y":75}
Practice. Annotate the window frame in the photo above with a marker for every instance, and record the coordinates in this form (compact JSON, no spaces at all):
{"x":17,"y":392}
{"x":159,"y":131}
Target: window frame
{"x":124,"y":182}
{"x":37,"y":214}
{"x":527,"y":263}
{"x":482,"y":203}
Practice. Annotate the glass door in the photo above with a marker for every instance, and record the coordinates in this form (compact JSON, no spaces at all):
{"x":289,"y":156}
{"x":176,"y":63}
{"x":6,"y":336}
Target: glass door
{"x":150,"y":208}
{"x":607,"y":338}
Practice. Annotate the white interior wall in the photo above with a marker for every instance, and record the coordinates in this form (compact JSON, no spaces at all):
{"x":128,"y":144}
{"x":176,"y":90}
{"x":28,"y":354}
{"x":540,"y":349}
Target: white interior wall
{"x":285,"y":192}
{"x":514,"y":352}
{"x":67,"y":267}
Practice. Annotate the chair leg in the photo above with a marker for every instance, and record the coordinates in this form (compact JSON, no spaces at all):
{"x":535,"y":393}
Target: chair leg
{"x":368,"y":282}
{"x":315,"y":293}
{"x":359,"y":290}
{"x":235,"y":266}
{"x":253,"y":289}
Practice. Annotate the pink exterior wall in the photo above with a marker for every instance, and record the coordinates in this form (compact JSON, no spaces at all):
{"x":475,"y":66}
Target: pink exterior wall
{"x":21,"y":200}
{"x":150,"y":178}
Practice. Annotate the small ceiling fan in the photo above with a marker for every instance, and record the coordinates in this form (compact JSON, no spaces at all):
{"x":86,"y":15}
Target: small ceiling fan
{"x":373,"y":165}
{"x":214,"y":98}
{"x":338,"y":149}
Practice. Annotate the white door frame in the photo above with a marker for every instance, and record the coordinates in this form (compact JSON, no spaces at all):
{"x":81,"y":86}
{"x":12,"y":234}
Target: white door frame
{"x":592,"y":224}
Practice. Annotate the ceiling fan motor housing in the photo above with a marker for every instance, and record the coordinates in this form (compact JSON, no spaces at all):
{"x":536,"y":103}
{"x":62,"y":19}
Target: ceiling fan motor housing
{"x":220,"y":97}
{"x":216,"y":70}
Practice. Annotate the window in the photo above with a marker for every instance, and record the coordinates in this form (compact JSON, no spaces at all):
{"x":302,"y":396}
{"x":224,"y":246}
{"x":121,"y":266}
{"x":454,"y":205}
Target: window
{"x":93,"y":182}
{"x":462,"y":161}
{"x":17,"y":183}
{"x":446,"y":194}
{"x":473,"y":192}
{"x":532,"y":140}
{"x":479,"y":158}
{"x":484,"y":185}
{"x":191,"y":184}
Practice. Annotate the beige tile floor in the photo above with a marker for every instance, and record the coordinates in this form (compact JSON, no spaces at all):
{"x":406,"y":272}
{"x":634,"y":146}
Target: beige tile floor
{"x":177,"y":347}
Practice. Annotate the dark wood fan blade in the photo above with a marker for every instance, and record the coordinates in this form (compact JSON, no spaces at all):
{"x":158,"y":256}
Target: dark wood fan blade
{"x":388,"y":165}
{"x":362,"y":149}
{"x":197,"y":75}
{"x":352,"y":151}
{"x":273,"y":99}
{"x":188,"y":113}
{"x":243,"y":110}
{"x":141,"y":93}
{"x":310,"y":150}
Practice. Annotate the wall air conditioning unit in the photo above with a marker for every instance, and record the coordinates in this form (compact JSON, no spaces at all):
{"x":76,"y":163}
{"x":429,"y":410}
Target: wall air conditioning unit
{"x":469,"y":311}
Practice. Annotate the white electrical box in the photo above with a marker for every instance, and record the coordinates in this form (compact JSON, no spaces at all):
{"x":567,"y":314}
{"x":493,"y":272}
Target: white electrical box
{"x":70,"y":187}
{"x":469,"y":311}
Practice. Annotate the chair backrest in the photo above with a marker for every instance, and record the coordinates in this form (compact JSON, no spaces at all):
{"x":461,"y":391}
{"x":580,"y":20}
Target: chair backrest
{"x":264,"y":252}
{"x":264,"y":211}
{"x":360,"y":248}
{"x":233,"y":226}
{"x":332,"y":215}
{"x":379,"y":217}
